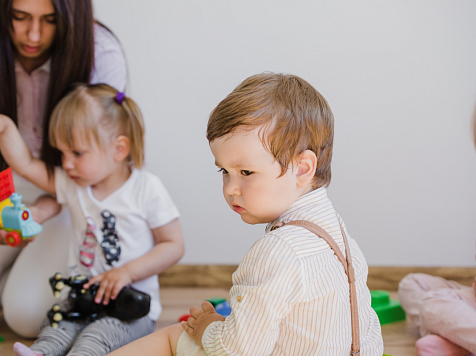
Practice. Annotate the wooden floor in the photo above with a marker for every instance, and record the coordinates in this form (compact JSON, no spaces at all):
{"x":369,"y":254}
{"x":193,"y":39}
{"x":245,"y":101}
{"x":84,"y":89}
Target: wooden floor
{"x":399,"y":338}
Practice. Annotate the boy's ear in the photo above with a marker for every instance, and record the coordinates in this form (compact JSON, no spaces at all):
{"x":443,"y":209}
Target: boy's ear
{"x":306,"y":167}
{"x":122,"y":147}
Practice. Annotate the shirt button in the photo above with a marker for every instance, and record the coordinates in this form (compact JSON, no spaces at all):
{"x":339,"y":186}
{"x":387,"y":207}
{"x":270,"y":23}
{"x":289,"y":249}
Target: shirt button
{"x":239,"y":298}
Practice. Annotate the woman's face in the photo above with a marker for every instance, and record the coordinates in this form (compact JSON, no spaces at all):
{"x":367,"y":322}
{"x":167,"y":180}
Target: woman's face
{"x":34,"y":28}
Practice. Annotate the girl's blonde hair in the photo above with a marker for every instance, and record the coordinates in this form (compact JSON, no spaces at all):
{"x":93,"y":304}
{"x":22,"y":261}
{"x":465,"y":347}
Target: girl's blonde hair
{"x":94,"y":112}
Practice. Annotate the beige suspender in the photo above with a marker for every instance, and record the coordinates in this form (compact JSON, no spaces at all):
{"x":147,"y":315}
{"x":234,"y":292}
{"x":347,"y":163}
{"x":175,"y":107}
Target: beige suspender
{"x":349,"y":270}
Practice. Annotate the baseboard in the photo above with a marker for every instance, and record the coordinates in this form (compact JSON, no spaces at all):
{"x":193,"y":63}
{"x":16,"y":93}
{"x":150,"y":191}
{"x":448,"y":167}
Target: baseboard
{"x":386,"y":278}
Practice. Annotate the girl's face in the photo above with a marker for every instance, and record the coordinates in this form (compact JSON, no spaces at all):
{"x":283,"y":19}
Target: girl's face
{"x":34,"y":28}
{"x":86,"y":163}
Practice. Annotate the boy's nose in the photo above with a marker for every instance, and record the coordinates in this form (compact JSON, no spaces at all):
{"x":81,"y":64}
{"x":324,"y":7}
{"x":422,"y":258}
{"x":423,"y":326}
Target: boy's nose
{"x":231,"y":187}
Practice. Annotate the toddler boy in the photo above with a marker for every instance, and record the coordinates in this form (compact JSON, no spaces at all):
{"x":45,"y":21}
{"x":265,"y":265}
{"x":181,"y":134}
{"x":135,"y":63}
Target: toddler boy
{"x":272,"y":139}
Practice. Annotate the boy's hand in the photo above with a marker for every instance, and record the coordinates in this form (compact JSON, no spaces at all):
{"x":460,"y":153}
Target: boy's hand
{"x":111,"y":284}
{"x":195,"y":325}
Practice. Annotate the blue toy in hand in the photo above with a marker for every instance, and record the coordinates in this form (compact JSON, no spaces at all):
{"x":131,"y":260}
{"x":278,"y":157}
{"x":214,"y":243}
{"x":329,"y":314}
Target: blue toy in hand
{"x":15,"y":217}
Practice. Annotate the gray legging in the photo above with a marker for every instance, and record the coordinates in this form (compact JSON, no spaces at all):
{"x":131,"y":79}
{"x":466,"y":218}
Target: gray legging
{"x":97,"y":338}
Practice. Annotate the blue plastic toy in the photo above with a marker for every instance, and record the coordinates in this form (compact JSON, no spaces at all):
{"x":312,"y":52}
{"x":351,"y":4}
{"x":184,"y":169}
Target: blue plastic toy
{"x":15,"y":217}
{"x":223,"y":309}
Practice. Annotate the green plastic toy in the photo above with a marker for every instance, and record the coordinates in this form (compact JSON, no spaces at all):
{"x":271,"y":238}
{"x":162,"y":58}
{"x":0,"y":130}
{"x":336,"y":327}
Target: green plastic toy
{"x":216,"y":301}
{"x":388,"y":310}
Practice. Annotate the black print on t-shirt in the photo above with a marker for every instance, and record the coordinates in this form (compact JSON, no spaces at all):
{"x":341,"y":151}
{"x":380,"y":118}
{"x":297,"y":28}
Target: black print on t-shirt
{"x":110,"y":242}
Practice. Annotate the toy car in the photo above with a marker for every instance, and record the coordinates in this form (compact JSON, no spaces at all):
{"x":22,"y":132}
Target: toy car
{"x":129,"y":304}
{"x":15,"y":217}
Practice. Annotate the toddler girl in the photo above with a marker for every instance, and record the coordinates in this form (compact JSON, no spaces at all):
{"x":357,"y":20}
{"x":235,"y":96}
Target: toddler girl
{"x":125,"y":225}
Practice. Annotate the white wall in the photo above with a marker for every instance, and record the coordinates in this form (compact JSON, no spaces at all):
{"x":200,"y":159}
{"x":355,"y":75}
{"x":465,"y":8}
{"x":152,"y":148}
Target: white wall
{"x":400,"y":77}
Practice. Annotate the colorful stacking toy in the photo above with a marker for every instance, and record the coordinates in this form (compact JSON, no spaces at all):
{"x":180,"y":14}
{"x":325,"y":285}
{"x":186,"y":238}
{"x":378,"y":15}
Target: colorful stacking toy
{"x":388,"y":310}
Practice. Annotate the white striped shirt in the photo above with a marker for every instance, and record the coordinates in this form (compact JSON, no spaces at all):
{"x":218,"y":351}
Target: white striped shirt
{"x":290,"y":293}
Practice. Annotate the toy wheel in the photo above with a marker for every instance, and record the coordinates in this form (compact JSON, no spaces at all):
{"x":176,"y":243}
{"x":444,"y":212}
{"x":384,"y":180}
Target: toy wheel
{"x":13,"y":238}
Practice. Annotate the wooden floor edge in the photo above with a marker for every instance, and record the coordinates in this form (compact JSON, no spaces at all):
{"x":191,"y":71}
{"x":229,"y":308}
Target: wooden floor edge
{"x":384,"y":278}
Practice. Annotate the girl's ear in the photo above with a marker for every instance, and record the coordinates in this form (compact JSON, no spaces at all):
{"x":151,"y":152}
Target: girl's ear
{"x":122,"y":147}
{"x":306,"y":168}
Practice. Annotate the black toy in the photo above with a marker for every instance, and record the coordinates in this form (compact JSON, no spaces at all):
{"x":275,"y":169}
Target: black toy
{"x":130,"y":303}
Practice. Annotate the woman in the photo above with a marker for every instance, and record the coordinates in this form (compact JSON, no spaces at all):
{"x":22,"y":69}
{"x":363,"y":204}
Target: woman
{"x":45,"y":46}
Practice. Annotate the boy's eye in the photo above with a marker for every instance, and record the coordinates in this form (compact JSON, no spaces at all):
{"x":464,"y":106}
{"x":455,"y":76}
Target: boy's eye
{"x":77,"y":153}
{"x":223,"y":170}
{"x":246,"y":173}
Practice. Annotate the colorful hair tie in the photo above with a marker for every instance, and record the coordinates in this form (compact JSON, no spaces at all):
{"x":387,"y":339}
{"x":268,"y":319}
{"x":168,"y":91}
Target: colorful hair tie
{"x":120,"y":97}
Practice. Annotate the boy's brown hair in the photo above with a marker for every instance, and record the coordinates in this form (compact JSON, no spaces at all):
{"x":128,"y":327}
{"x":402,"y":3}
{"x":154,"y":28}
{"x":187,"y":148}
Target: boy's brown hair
{"x":93,"y":111}
{"x":298,"y":118}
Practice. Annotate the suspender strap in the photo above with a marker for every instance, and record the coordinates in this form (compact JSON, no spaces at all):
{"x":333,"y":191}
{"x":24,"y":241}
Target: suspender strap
{"x":349,"y":270}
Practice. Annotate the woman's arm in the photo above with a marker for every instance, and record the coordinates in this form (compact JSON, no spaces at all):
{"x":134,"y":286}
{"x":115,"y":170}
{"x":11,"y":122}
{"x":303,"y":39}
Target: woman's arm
{"x":168,"y":250}
{"x":18,"y":156}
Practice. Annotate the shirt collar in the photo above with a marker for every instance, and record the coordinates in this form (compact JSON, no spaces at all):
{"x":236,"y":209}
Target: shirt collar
{"x":302,"y":204}
{"x":45,"y":67}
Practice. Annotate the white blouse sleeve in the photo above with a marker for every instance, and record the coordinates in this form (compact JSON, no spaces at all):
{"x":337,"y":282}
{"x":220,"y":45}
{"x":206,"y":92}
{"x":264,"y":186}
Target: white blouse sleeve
{"x":109,"y":61}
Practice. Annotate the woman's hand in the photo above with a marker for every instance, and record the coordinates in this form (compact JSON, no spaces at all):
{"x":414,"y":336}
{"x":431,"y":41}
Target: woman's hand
{"x":23,"y":243}
{"x":112,"y":283}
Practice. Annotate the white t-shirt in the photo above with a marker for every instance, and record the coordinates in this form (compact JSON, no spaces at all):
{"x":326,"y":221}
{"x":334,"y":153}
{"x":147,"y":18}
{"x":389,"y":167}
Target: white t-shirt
{"x":116,"y":230}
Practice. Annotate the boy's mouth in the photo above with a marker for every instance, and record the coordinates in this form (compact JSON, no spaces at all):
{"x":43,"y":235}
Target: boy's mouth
{"x":237,"y":209}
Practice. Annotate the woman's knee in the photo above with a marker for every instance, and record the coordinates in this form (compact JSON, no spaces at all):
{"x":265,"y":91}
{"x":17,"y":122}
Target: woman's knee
{"x":414,"y":281}
{"x":439,"y":306}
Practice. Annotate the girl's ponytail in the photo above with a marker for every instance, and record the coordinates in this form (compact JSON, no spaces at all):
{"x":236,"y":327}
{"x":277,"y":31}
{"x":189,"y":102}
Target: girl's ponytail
{"x":134,"y":127}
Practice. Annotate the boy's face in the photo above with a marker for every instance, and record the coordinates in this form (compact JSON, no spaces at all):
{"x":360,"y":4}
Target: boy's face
{"x":250,"y":177}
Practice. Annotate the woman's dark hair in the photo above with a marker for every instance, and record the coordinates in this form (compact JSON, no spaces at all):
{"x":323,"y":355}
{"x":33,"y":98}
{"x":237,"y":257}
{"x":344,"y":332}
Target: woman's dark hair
{"x":72,"y":59}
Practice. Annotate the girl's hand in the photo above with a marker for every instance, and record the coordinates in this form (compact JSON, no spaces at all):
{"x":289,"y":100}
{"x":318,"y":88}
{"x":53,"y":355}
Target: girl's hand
{"x":44,"y":208}
{"x":112,"y":283}
{"x":195,"y":325}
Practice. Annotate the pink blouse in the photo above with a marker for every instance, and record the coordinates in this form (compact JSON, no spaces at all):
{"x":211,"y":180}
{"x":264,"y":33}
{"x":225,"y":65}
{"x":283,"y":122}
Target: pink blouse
{"x":109,"y":67}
